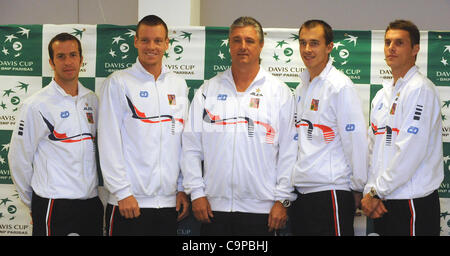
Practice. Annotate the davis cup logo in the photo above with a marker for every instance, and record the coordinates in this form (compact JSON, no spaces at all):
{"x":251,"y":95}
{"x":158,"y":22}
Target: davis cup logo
{"x":17,"y":45}
{"x":7,"y":208}
{"x":14,"y":91}
{"x":182,"y":57}
{"x":439,"y":57}
{"x":121,"y":49}
{"x":17,"y":50}
{"x":344,"y":53}
{"x":283,"y":50}
{"x":176,"y":45}
{"x":351,"y":54}
{"x":115,"y":48}
{"x":11,"y":215}
{"x":10,"y":99}
{"x":280,"y":55}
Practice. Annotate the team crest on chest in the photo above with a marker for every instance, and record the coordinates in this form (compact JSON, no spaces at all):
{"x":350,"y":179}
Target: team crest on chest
{"x":254,"y":102}
{"x":172,"y":99}
{"x":314,"y":105}
{"x":394,"y":105}
{"x":90,"y":117}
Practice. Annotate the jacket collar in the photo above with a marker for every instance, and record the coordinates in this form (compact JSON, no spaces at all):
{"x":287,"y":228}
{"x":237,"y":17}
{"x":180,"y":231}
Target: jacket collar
{"x":260,"y":77}
{"x":138,"y":67}
{"x":82,"y":91}
{"x":389,"y":84}
{"x":304,"y":76}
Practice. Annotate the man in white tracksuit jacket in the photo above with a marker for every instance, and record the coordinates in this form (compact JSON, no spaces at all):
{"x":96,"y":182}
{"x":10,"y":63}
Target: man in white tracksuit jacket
{"x":332,"y":156}
{"x":406,"y":159}
{"x":141,"y":117}
{"x":241,"y":126}
{"x":52,"y":150}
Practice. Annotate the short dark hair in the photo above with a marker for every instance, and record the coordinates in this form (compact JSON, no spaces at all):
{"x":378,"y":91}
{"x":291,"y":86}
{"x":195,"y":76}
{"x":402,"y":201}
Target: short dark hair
{"x":414,"y":33}
{"x":152,"y":20}
{"x":248,"y":21}
{"x":62,"y":37}
{"x":328,"y":31}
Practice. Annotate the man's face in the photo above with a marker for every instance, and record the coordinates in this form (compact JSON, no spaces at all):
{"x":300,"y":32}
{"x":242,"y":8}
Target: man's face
{"x":398,"y":52}
{"x":245,"y":46}
{"x":151,"y":43}
{"x":66,"y":61}
{"x":313,"y":49}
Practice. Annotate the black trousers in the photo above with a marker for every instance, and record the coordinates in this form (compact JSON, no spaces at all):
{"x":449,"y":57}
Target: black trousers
{"x":324,"y":213}
{"x":151,"y":222}
{"x":410,"y":217}
{"x":62,"y":217}
{"x":236,"y":224}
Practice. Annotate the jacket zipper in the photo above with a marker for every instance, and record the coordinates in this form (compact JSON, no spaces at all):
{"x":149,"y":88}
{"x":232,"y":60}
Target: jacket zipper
{"x":82,"y":144}
{"x":160,"y":140}
{"x":234,"y":154}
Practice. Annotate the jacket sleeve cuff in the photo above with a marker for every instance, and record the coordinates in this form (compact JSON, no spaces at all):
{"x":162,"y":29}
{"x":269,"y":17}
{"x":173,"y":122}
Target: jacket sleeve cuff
{"x":123,"y":193}
{"x":291,"y":197}
{"x":356,"y":188}
{"x":27,"y":200}
{"x":180,"y":187}
{"x":197,"y":193}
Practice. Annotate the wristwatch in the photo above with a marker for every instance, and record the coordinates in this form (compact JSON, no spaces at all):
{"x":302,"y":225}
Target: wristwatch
{"x":373,"y":193}
{"x":286,"y":203}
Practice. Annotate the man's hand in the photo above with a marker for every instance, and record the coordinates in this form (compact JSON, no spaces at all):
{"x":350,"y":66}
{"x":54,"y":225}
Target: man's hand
{"x":202,"y":210}
{"x":373,"y":207}
{"x":129,"y":207}
{"x":277,"y":217}
{"x":182,"y":203}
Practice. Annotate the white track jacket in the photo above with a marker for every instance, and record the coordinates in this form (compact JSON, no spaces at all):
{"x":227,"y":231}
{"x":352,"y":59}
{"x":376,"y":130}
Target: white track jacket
{"x":246,"y":142}
{"x":406,"y":158}
{"x":140,"y":126}
{"x":333,"y":153}
{"x":52,"y":149}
